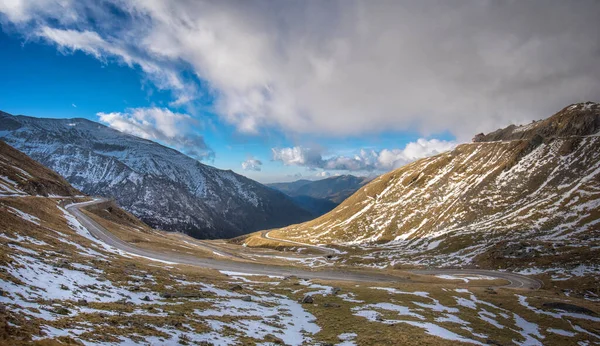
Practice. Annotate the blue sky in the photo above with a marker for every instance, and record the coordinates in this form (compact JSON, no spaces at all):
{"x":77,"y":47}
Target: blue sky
{"x":41,"y":81}
{"x":281,"y":90}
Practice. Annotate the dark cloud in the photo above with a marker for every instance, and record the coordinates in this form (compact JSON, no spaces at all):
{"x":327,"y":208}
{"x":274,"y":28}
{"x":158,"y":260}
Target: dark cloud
{"x":342,"y":68}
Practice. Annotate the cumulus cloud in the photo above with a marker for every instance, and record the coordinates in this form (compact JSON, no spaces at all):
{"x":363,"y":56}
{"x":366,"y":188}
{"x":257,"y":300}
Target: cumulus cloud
{"x":162,"y":125}
{"x":298,"y":156}
{"x":364,"y":160}
{"x":394,"y":158}
{"x":345,"y":67}
{"x":252,"y":164}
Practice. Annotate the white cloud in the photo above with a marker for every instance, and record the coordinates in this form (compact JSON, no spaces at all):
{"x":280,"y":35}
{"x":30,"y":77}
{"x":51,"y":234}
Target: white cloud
{"x":20,"y":11}
{"x":298,"y":156}
{"x":162,"y":125}
{"x":163,"y":74}
{"x":252,"y":164}
{"x":343,"y":68}
{"x":364,"y":160}
{"x":87,"y":41}
{"x":389,"y":159}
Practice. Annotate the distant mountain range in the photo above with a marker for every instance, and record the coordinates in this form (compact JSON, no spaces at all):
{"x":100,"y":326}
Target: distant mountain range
{"x":520,"y":192}
{"x":321,"y":196}
{"x":161,"y":186}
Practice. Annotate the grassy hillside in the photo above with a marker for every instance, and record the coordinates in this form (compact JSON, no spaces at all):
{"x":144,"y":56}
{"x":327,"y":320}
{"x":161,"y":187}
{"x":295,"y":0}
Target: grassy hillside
{"x":533,"y":197}
{"x":60,"y":285}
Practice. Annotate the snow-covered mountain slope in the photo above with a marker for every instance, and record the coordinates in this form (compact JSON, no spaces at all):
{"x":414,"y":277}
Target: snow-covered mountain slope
{"x":538,"y":182}
{"x":61,"y":285}
{"x":161,"y":186}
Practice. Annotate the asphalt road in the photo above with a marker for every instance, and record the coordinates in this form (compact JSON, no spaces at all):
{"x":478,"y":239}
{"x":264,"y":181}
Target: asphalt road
{"x":107,"y":237}
{"x":516,"y":281}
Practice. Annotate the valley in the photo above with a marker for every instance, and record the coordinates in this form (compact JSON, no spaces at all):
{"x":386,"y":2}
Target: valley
{"x":500,"y":251}
{"x":251,"y":267}
{"x":321,"y":196}
{"x":95,"y":293}
{"x":522,"y":198}
{"x":299,"y":173}
{"x":162,"y":186}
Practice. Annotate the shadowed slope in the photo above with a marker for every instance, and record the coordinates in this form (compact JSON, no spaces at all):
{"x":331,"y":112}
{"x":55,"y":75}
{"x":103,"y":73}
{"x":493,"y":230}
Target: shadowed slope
{"x":161,"y":186}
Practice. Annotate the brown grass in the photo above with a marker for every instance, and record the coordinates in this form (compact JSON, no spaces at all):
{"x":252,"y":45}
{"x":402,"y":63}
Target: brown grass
{"x":42,"y":180}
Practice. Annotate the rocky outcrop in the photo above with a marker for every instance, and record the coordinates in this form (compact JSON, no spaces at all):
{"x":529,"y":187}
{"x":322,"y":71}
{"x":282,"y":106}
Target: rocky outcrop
{"x":582,"y":119}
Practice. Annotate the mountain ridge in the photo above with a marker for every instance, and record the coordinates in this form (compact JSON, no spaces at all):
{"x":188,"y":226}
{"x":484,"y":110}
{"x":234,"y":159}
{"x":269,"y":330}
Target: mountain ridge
{"x":453,"y":207}
{"x":162,"y":186}
{"x":574,"y":120}
{"x":335,"y":189}
{"x":321,"y":196}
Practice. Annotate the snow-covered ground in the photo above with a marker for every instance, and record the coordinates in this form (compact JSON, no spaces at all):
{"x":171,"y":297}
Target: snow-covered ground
{"x":62,"y":282}
{"x":467,"y":304}
{"x":493,"y":198}
{"x":69,"y":278}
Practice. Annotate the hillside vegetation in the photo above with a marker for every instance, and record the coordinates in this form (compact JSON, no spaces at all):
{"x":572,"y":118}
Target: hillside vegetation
{"x":61,"y":285}
{"x":519,"y":197}
{"x":22,"y":176}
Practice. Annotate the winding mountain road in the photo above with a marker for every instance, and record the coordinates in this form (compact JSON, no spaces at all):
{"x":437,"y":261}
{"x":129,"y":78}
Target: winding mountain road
{"x":101,"y":233}
{"x":326,"y":251}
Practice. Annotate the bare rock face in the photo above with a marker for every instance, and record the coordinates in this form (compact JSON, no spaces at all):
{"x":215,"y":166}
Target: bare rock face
{"x":480,"y":137}
{"x":582,"y":119}
{"x":161,"y":186}
{"x":569,"y":308}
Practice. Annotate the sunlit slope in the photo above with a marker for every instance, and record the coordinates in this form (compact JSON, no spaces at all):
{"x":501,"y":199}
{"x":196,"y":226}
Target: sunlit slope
{"x":61,"y":285}
{"x":537,"y":181}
